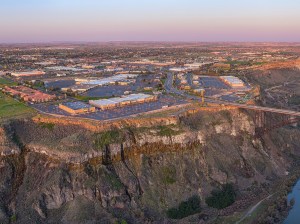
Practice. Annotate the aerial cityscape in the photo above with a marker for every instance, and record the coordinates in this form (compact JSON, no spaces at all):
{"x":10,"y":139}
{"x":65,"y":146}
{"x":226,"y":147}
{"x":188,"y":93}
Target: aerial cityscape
{"x":173,"y":112}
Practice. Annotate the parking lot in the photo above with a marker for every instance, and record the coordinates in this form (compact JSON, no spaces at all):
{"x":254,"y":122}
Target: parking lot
{"x":60,"y":83}
{"x":230,"y":98}
{"x":212,"y":82}
{"x":121,"y":112}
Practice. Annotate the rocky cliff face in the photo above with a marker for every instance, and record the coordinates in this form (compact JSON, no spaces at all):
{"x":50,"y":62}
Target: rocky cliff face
{"x":148,"y":170}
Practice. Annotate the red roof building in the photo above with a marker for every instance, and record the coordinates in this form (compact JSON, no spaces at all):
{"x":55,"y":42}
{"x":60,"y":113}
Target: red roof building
{"x":28,"y":94}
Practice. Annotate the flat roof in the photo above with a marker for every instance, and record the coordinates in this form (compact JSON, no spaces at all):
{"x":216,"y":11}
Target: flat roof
{"x":116,"y":100}
{"x":103,"y":102}
{"x":232,"y":79}
{"x":107,"y":80}
{"x":28,"y":72}
{"x":65,"y":68}
{"x":76,"y":105}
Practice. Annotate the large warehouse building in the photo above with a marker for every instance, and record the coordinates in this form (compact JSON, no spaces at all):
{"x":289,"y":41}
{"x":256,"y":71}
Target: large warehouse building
{"x":232,"y":81}
{"x":108,"y":80}
{"x":105,"y":104}
{"x":76,"y":107}
{"x":26,"y":74}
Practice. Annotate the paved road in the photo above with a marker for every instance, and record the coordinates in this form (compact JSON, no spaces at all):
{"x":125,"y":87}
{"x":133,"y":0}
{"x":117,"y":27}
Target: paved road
{"x":171,"y":89}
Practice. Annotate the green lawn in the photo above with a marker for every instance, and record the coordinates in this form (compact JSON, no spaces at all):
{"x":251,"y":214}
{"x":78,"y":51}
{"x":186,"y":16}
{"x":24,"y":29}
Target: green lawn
{"x":10,"y":108}
{"x":6,"y":82}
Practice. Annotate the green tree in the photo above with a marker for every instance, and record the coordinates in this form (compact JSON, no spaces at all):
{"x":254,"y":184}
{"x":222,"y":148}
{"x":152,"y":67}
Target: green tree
{"x":222,"y":198}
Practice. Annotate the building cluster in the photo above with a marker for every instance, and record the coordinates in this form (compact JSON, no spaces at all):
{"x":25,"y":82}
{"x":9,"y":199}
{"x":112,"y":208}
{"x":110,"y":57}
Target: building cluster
{"x":120,"y":76}
{"x":27,"y":94}
{"x":106,"y":104}
{"x":85,"y":84}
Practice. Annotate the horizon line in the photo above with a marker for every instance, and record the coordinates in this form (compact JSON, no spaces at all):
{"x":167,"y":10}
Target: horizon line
{"x":145,"y":41}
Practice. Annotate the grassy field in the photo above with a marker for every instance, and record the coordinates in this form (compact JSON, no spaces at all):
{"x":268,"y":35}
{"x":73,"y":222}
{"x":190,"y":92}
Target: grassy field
{"x":6,"y":82}
{"x":10,"y":108}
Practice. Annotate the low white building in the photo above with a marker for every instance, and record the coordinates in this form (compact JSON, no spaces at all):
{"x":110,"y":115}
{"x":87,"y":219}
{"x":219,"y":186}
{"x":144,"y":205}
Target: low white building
{"x":27,"y":73}
{"x":232,"y":81}
{"x":105,"y":104}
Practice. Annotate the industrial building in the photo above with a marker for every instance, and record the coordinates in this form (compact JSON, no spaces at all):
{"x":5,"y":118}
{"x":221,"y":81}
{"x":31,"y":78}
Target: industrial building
{"x":28,"y":73}
{"x":105,"y":104}
{"x":85,"y":84}
{"x":65,"y":68}
{"x":108,"y":80}
{"x":195,"y":66}
{"x":178,"y":69}
{"x":232,"y":81}
{"x":78,"y":88}
{"x":199,"y":91}
{"x":77,"y":107}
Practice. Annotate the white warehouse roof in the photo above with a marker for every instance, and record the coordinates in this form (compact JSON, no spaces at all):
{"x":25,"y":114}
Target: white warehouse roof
{"x":108,"y":80}
{"x":233,"y":80}
{"x":117,"y":100}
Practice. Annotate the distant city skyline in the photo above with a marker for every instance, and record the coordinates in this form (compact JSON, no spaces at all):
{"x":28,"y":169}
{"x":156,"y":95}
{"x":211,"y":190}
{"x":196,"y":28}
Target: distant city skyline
{"x":36,"y":21}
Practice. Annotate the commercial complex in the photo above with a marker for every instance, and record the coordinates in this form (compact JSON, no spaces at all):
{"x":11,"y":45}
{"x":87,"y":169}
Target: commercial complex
{"x":85,"y":84}
{"x":28,"y":94}
{"x":76,"y":107}
{"x":105,"y":104}
{"x":232,"y":81}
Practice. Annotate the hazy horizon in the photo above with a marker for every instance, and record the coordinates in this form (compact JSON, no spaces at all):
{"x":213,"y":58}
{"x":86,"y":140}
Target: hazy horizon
{"x":52,"y":21}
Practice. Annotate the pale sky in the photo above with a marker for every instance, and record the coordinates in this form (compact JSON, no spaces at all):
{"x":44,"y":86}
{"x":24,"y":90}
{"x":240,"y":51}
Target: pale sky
{"x":149,"y":20}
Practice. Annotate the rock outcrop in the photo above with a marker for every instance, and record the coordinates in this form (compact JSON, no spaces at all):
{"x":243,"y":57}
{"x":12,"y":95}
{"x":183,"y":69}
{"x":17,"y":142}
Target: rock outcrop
{"x":149,"y":170}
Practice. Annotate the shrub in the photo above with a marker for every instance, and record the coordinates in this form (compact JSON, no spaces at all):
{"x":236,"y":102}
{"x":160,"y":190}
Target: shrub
{"x":49,"y":126}
{"x":107,"y":138}
{"x":13,"y":218}
{"x":122,"y":221}
{"x":113,"y":180}
{"x":185,"y":209}
{"x":168,"y":175}
{"x":166,"y":131}
{"x":227,"y":115}
{"x":221,"y":198}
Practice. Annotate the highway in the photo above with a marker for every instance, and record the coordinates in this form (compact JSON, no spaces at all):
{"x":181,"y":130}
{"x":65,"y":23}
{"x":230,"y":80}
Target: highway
{"x":171,"y":89}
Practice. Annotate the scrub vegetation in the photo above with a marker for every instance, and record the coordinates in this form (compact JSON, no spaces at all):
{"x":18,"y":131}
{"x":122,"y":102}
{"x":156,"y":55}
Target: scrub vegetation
{"x":222,"y":198}
{"x":185,"y":208}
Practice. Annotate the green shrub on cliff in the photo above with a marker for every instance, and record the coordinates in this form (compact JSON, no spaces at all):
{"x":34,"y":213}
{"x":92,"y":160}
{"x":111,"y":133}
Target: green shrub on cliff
{"x":185,"y":208}
{"x":49,"y":126}
{"x":106,"y":138}
{"x":113,"y":180}
{"x":168,"y":175}
{"x":166,"y":131}
{"x":13,"y":218}
{"x":221,"y":198}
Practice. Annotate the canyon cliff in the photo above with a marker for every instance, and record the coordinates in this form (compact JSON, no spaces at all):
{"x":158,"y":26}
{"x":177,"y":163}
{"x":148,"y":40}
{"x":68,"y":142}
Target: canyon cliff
{"x":67,"y":173}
